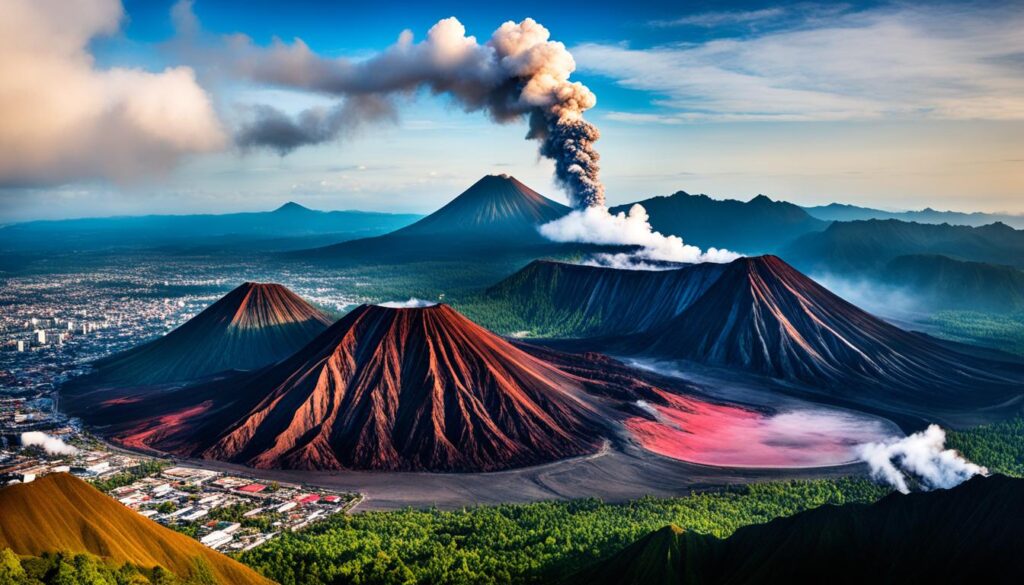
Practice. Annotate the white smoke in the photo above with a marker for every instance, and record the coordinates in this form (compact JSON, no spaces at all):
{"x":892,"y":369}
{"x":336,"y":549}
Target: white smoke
{"x":597,"y":225}
{"x":412,"y":303}
{"x":51,"y":445}
{"x":921,"y":457}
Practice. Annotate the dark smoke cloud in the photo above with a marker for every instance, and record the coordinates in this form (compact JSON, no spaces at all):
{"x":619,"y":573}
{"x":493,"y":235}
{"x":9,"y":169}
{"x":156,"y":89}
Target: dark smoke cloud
{"x":271,"y":128}
{"x":518,"y":73}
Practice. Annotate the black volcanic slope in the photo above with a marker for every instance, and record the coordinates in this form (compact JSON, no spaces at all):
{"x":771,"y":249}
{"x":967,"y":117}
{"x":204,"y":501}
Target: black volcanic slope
{"x":250,"y":327}
{"x":752,"y":227}
{"x":383,"y":388}
{"x":496,"y":215}
{"x":969,"y":534}
{"x":571,"y":300}
{"x":763,"y":316}
{"x":495,"y":206}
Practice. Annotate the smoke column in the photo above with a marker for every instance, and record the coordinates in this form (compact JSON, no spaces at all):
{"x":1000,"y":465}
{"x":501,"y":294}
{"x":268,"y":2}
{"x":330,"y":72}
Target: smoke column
{"x":518,"y":73}
{"x":922,"y":457}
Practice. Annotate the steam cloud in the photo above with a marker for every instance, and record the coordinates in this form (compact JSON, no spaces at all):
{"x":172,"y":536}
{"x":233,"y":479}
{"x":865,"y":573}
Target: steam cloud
{"x":51,"y":445}
{"x":410,"y":304}
{"x":518,"y":73}
{"x":597,"y":225}
{"x":921,"y":457}
{"x":65,"y":119}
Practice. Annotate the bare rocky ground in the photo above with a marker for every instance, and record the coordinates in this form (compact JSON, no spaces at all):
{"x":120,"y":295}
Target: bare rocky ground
{"x":612,"y":475}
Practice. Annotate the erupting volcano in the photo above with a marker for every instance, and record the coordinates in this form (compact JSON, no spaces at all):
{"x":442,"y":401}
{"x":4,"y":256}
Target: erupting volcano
{"x":383,"y":388}
{"x":250,"y":327}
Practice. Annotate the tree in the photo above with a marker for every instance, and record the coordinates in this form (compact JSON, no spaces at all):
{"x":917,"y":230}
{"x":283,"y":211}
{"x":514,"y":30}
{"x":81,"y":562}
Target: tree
{"x":11,"y":570}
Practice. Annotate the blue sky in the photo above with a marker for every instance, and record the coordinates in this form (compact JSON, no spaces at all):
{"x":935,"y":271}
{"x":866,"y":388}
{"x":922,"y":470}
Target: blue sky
{"x":894,"y":105}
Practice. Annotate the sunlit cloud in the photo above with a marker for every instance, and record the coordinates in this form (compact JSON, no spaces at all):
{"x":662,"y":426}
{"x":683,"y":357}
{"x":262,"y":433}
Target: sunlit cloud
{"x":65,"y":119}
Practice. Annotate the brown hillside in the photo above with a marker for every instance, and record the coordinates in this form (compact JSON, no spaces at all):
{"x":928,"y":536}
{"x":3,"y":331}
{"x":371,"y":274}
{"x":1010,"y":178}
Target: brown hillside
{"x":60,"y":512}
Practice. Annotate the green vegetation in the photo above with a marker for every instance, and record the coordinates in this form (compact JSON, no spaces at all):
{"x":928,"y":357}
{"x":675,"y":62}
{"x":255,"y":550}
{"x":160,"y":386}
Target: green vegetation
{"x":999,"y":447}
{"x":998,"y":331}
{"x":85,"y":569}
{"x":144,"y":469}
{"x":529,"y":543}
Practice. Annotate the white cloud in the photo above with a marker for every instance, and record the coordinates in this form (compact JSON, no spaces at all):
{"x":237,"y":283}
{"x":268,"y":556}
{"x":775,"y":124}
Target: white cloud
{"x":921,"y":456}
{"x":935,"y":62}
{"x":597,"y":225}
{"x":62,"y":118}
{"x":710,"y":19}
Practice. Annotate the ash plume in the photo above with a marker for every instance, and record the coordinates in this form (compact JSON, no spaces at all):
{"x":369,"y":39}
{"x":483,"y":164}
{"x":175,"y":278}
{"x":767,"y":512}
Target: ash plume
{"x":920,"y":458}
{"x":518,"y":73}
{"x":271,"y":128}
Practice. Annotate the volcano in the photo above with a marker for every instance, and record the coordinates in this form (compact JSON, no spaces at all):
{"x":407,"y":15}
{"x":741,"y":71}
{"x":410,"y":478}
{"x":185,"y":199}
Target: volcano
{"x":763,"y":316}
{"x":496,"y":215}
{"x":495,"y":206}
{"x":944,"y":536}
{"x":572,"y":300}
{"x":383,"y":388}
{"x":250,"y":327}
{"x":61,"y":513}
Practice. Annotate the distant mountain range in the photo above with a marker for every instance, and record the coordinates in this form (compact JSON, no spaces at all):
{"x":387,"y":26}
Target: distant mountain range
{"x":757,"y":226}
{"x":853,"y":246}
{"x":947,"y":283}
{"x":253,"y":325}
{"x":61,"y":513}
{"x":761,"y":316}
{"x":844,"y":212}
{"x":943,"y":536}
{"x":287,"y":227}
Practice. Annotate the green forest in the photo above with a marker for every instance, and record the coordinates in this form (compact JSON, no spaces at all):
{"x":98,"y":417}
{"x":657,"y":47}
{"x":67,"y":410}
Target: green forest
{"x":995,"y":330}
{"x":85,"y":569}
{"x":524,"y":543}
{"x":999,"y":446}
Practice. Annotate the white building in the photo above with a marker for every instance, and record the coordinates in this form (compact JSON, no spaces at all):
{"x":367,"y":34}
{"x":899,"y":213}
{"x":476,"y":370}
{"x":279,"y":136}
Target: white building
{"x":216,"y":538}
{"x":40,"y":336}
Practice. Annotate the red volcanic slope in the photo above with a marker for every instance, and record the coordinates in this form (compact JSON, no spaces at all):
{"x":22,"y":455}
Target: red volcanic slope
{"x":252,"y":326}
{"x":383,"y":388}
{"x":764,"y":316}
